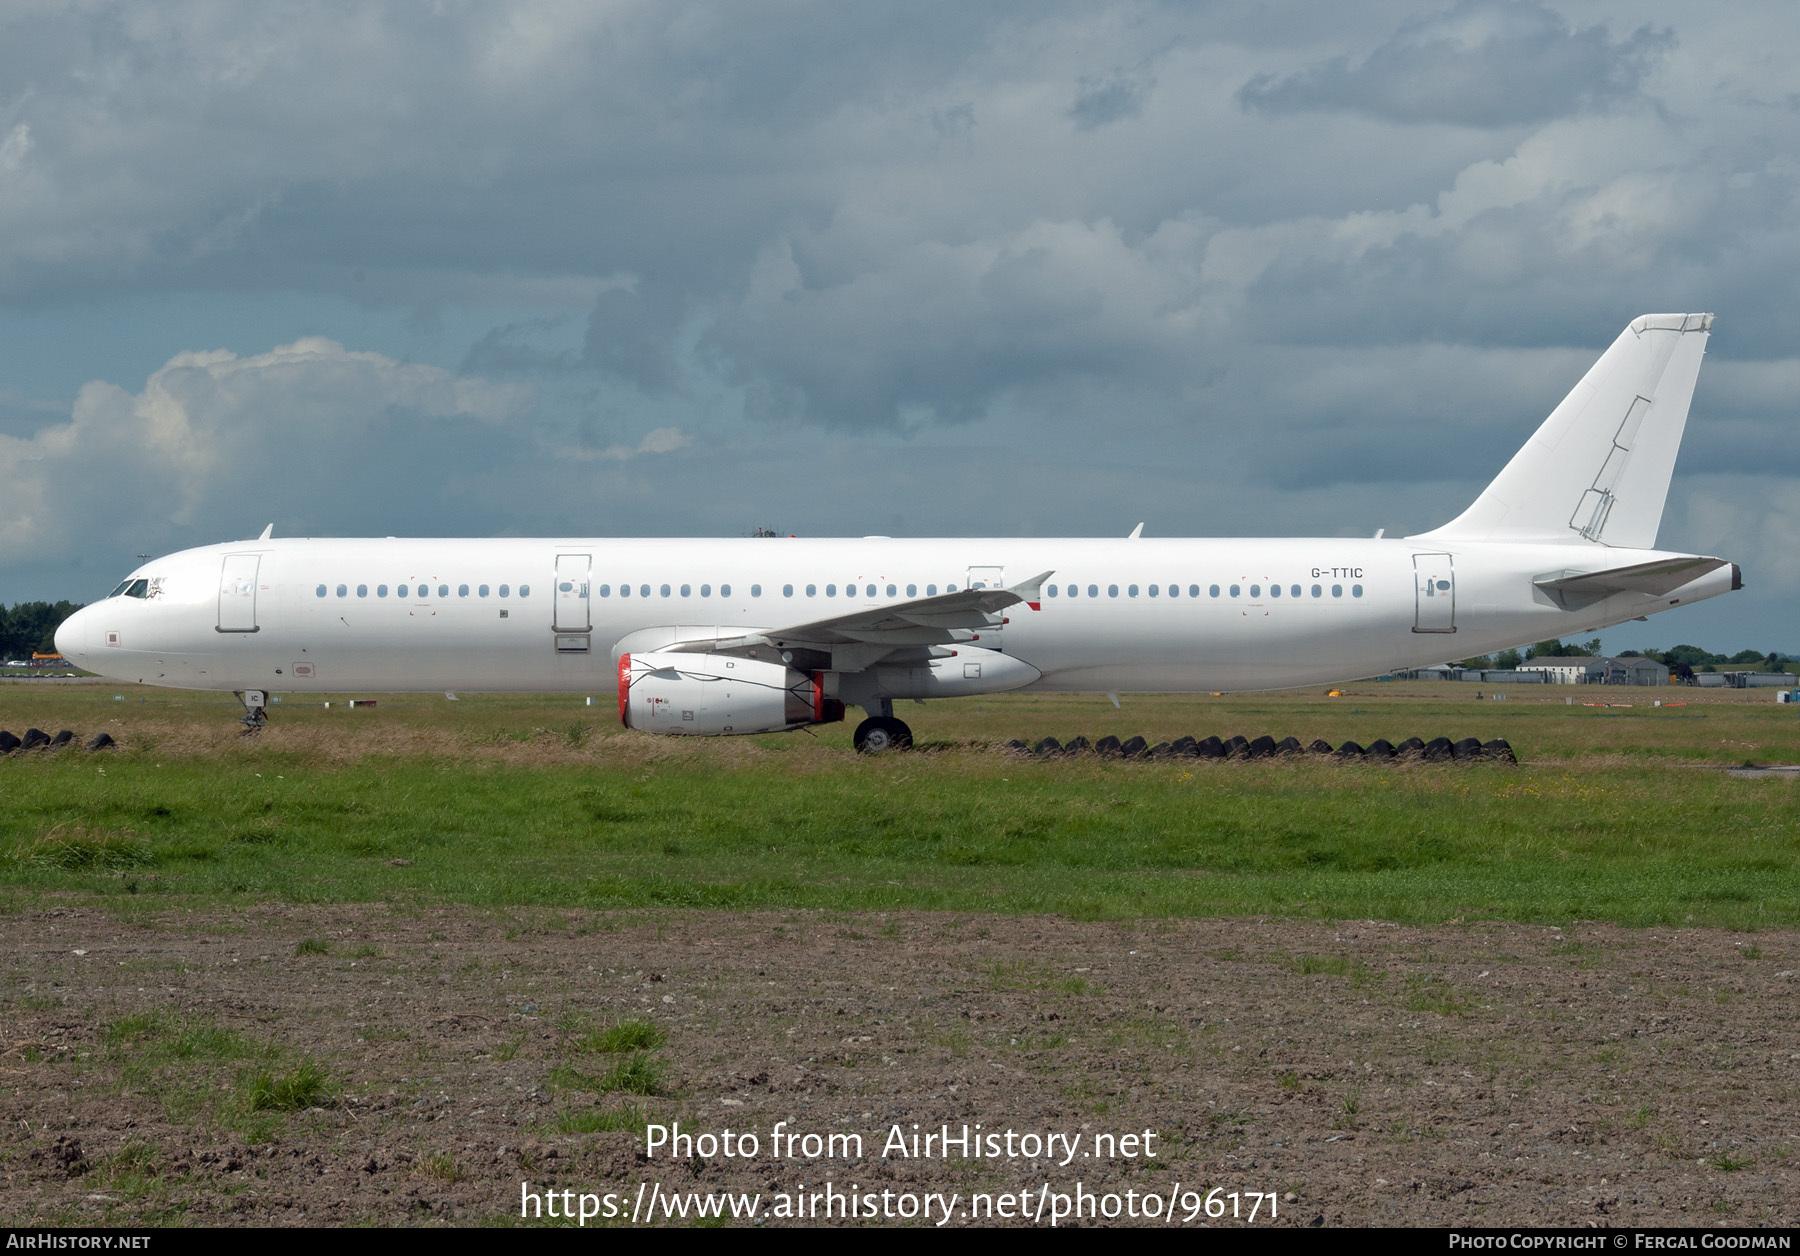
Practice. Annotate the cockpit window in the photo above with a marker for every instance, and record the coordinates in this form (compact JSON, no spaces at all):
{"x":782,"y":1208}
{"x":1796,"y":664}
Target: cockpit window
{"x":138,"y":588}
{"x":123,"y":585}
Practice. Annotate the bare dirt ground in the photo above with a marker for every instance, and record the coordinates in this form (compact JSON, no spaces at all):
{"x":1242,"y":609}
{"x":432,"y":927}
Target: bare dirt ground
{"x":1368,"y":1073}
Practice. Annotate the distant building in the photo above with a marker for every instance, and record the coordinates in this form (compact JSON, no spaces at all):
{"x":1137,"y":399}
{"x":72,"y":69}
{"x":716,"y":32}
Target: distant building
{"x":1599,"y":671}
{"x":1760,"y":680}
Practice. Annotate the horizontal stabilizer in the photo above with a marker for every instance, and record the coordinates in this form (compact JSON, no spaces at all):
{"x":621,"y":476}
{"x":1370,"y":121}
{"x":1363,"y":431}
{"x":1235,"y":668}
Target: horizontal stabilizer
{"x":1572,"y":588}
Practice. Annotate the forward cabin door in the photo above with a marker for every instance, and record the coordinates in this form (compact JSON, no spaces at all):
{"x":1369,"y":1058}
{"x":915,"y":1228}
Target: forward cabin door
{"x":237,"y":593}
{"x":1434,"y":585}
{"x":572,"y":622}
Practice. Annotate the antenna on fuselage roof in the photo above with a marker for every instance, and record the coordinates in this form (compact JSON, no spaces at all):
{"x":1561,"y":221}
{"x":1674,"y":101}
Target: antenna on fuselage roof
{"x":1378,"y":532}
{"x":1136,"y":533}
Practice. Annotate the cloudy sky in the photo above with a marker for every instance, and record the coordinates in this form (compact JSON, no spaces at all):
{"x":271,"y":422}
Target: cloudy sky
{"x":684,"y":268}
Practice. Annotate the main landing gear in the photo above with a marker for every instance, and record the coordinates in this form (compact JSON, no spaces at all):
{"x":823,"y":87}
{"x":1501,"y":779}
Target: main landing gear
{"x":882,"y":733}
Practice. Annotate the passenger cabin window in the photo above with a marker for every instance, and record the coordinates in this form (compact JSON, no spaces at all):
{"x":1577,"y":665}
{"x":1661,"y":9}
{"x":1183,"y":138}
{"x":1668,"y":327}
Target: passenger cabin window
{"x":1112,"y":590}
{"x":1093,"y":590}
{"x":624,"y":590}
{"x":812,"y":590}
{"x":787,"y":590}
{"x":1356,"y":590}
{"x":1152,"y":590}
{"x":524,"y":590}
{"x":444,"y":590}
{"x":931,"y":590}
{"x":321,"y":591}
{"x":1316,"y":590}
{"x":483,"y":590}
{"x":1295,"y":590}
{"x":362,"y":590}
{"x":1235,"y":590}
{"x":706,"y":590}
{"x":1194,"y":590}
{"x":912,"y":590}
{"x":1337,"y":590}
{"x":343,"y":590}
{"x":1255,"y":590}
{"x":1274,"y":591}
{"x":644,"y":590}
{"x":724,"y":590}
{"x":462,"y":590}
{"x":1212,"y":590}
{"x":891,"y":592}
{"x":756,"y":590}
{"x":1131,"y":591}
{"x":1051,"y":590}
{"x":381,"y":590}
{"x":605,"y":590}
{"x":505,"y":590}
{"x":687,"y":590}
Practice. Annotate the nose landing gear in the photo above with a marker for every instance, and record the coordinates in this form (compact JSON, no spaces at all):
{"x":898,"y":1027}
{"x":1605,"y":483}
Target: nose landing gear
{"x":256,"y":713}
{"x":880,"y":734}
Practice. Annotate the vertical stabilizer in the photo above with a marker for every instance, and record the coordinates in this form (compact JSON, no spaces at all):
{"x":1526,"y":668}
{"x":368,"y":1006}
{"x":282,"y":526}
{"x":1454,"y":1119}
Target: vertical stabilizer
{"x":1599,"y":468}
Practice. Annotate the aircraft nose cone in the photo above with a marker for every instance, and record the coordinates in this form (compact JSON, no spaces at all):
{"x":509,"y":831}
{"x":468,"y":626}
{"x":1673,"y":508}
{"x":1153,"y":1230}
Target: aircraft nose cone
{"x":71,"y":637}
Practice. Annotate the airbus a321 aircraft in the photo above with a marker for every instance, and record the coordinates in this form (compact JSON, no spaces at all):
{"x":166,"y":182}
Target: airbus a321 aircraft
{"x":756,"y":635}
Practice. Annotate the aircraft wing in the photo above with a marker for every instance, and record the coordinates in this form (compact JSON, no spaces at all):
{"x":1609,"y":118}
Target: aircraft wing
{"x":1651,"y":579}
{"x":869,"y":633}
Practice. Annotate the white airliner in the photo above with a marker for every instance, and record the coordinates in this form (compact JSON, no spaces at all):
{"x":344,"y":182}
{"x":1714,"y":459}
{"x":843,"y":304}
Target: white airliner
{"x":754,"y":635}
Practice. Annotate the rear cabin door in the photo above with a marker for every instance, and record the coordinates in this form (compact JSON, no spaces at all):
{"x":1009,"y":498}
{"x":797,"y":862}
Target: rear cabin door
{"x":237,"y":593}
{"x":1434,"y":584}
{"x":572,"y":621}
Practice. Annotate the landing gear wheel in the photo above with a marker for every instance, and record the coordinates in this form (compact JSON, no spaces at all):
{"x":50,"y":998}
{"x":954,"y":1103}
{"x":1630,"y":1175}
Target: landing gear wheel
{"x":881,"y":734}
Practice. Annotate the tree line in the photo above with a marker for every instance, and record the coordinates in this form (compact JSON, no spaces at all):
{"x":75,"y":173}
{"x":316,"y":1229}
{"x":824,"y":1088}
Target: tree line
{"x":28,"y":628}
{"x":1683,"y":660}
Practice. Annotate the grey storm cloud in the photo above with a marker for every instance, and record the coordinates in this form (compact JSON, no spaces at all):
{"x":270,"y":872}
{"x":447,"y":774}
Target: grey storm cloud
{"x":1109,"y":100}
{"x":1483,"y":63}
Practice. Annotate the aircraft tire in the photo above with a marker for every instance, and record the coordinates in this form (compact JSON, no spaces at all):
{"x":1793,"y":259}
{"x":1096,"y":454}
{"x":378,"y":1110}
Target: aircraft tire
{"x":880,"y":734}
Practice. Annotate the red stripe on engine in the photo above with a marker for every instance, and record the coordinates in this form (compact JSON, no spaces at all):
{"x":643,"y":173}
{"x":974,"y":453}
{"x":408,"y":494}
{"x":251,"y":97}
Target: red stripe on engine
{"x":625,"y":690}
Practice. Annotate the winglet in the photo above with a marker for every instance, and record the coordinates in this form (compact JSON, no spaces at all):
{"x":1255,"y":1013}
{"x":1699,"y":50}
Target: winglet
{"x":1032,"y":591}
{"x":1136,"y":533}
{"x":267,"y":533}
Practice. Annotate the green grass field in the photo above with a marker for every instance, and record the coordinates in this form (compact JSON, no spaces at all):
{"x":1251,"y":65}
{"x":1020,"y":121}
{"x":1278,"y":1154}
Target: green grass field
{"x":1613,"y":814}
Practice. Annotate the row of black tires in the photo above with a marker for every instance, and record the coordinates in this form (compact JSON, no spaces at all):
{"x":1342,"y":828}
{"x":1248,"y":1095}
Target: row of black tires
{"x":1438,"y":749}
{"x":38,"y":739}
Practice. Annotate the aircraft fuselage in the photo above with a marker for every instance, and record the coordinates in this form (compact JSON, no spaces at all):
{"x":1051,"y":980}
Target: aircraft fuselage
{"x":1139,"y":615}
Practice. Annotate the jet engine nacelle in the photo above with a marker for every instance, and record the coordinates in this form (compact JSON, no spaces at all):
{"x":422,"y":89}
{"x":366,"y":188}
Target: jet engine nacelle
{"x":666,"y":691}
